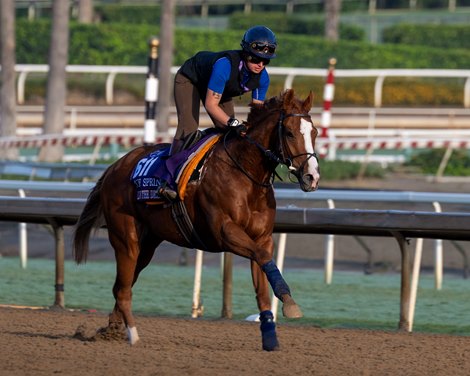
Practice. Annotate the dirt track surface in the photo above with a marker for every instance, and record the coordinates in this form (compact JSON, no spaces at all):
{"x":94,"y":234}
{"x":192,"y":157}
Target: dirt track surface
{"x":39,"y":342}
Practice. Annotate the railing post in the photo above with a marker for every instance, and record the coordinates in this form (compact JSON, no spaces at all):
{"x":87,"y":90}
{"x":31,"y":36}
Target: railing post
{"x":20,"y":86}
{"x":438,"y":256}
{"x":197,"y":309}
{"x":59,"y":265}
{"x":415,"y":280}
{"x":378,"y":91}
{"x":281,"y":252}
{"x":23,"y":236}
{"x":405,"y":287}
{"x":151,"y":93}
{"x":329,"y":250}
{"x":466,"y":93}
{"x":289,"y":80}
{"x":110,"y":87}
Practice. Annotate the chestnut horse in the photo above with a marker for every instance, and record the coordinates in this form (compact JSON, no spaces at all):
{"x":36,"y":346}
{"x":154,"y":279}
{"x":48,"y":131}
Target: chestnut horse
{"x":231,"y":206}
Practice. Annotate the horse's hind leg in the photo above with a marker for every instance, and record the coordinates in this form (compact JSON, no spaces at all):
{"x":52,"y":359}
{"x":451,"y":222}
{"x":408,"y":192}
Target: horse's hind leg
{"x":148,"y":245}
{"x":125,"y":241}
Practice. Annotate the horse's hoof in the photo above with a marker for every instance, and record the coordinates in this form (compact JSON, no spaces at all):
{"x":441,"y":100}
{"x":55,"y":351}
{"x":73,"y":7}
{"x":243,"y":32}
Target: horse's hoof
{"x":132,"y":335}
{"x":292,"y":311}
{"x":270,"y":343}
{"x":268,"y":331}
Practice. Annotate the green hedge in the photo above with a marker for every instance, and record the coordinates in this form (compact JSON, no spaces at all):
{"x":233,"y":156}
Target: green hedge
{"x":444,"y":36}
{"x":96,"y":44}
{"x":127,"y":44}
{"x":294,"y":24}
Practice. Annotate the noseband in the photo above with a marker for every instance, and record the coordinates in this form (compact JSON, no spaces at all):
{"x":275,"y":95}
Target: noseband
{"x":283,"y":157}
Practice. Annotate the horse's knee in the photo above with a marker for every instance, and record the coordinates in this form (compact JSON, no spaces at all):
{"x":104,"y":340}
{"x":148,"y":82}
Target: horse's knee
{"x":275,"y":279}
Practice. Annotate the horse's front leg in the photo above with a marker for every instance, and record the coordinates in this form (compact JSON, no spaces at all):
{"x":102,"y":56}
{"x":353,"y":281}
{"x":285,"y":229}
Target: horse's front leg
{"x":267,"y":326}
{"x":261,"y":285}
{"x":290,"y":309}
{"x":239,"y":242}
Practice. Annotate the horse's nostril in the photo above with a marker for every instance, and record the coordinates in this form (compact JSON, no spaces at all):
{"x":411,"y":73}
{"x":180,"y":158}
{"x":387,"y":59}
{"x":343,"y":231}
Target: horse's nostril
{"x":307,"y":178}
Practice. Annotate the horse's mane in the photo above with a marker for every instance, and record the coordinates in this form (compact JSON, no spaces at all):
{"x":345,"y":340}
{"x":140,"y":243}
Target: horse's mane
{"x":259,"y":111}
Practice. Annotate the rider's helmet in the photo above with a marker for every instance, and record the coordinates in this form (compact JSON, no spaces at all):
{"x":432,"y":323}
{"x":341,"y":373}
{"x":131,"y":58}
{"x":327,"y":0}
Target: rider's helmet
{"x":259,"y":41}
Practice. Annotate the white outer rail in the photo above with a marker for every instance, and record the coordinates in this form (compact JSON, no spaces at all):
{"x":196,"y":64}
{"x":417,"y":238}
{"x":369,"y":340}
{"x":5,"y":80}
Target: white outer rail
{"x":290,"y":73}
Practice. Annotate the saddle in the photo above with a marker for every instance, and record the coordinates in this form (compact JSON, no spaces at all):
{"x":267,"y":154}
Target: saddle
{"x":176,"y":171}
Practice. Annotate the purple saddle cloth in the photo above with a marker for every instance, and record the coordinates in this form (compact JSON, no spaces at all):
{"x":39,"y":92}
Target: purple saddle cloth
{"x":159,"y":168}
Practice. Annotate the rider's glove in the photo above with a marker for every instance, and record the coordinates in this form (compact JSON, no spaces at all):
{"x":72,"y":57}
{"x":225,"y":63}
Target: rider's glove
{"x":237,"y":125}
{"x":232,"y":122}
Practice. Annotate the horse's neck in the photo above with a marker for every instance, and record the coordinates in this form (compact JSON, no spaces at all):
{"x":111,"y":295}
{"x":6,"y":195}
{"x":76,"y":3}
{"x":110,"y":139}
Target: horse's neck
{"x":249,"y":152}
{"x":265,"y":133}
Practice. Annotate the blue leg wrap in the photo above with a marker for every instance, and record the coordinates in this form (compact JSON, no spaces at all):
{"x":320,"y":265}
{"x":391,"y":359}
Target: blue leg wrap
{"x":268,"y":331}
{"x":278,"y":284}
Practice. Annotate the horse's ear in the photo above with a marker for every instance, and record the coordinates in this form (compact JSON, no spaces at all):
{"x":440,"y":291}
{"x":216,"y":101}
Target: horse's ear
{"x":308,"y":102}
{"x":287,"y":99}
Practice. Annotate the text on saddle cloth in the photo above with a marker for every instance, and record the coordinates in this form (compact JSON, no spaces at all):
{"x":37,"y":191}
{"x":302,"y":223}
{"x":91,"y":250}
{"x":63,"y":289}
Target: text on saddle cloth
{"x":158,"y":168}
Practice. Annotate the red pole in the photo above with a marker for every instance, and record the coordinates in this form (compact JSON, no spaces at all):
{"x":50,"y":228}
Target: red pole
{"x":328,"y":95}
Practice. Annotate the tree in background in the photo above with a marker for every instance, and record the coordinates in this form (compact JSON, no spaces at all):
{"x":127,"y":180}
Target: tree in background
{"x":332,"y":12}
{"x":8,"y":60}
{"x":85,"y":11}
{"x":56,"y":91}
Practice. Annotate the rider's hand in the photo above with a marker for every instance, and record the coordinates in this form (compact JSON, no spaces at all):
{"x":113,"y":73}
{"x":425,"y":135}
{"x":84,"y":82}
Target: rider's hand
{"x":232,"y":122}
{"x":237,"y":125}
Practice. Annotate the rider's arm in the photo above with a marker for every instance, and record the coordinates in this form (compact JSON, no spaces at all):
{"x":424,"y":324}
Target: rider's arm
{"x":219,"y":77}
{"x":258,"y":95}
{"x":212,"y":106}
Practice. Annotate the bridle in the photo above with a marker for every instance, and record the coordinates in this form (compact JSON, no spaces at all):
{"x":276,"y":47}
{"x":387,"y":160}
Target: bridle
{"x":283,"y":155}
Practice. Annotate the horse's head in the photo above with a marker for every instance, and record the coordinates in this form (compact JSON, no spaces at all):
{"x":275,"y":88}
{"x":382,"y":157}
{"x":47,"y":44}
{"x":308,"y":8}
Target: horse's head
{"x":296,"y":139}
{"x":283,"y":131}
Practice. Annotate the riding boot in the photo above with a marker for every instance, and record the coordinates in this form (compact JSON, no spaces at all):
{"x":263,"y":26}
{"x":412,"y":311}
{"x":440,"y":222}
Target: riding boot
{"x":165,"y":191}
{"x":176,"y":146}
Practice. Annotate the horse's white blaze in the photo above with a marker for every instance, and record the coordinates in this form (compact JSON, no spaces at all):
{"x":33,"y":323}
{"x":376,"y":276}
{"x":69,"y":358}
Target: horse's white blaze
{"x":132,"y":335}
{"x":306,"y":128}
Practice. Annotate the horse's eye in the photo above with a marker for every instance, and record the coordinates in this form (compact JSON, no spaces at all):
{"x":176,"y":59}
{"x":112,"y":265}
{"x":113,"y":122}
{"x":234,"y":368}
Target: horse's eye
{"x":289,"y":134}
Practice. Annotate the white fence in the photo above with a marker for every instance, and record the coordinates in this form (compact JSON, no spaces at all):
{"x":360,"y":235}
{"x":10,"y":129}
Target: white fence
{"x":289,"y":73}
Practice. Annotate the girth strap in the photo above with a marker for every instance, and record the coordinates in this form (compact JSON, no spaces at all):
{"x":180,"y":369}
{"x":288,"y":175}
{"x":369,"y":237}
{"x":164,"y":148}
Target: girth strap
{"x":181,"y":217}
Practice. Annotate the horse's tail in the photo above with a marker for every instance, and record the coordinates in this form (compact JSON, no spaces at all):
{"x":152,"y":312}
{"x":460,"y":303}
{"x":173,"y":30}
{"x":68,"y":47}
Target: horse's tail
{"x":90,"y":219}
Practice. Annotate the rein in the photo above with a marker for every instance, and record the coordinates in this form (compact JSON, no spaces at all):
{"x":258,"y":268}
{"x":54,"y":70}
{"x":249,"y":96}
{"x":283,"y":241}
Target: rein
{"x":271,"y":155}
